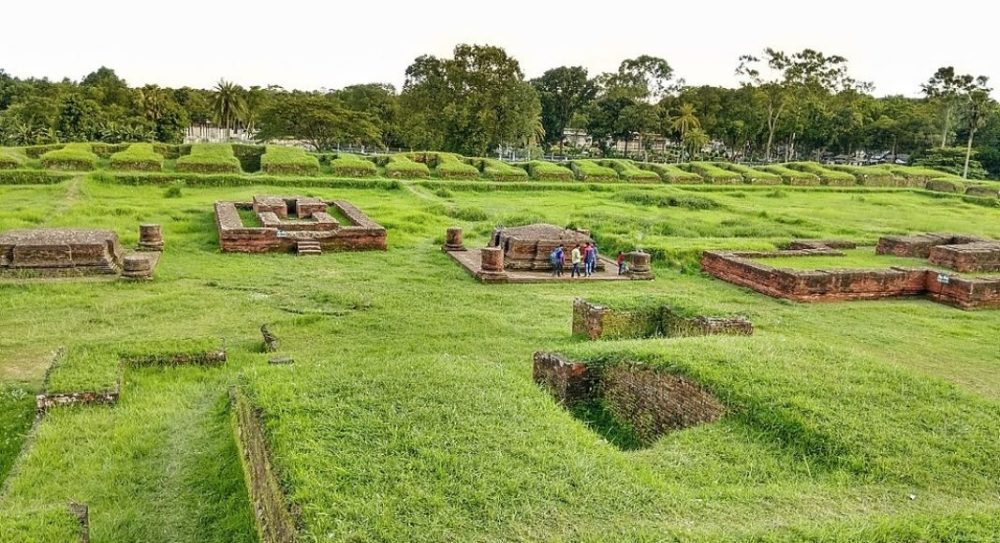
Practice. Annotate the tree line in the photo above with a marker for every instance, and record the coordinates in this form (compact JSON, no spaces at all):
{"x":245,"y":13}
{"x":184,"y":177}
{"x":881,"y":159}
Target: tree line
{"x":798,"y":105}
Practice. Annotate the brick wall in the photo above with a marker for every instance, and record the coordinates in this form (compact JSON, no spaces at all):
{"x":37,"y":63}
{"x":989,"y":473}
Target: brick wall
{"x":569,"y":382}
{"x":596,"y":322}
{"x":982,"y":256}
{"x":362,"y":234}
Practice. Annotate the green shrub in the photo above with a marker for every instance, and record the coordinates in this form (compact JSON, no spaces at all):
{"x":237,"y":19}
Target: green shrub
{"x":539,"y":170}
{"x":670,"y":173}
{"x":139,"y":157}
{"x":172,"y":151}
{"x":827,"y":176}
{"x":209,"y":158}
{"x":32,"y":177}
{"x":628,"y":171}
{"x":914,"y":176}
{"x":278,"y":160}
{"x":249,"y":156}
{"x":750,"y":175}
{"x":401,"y":167}
{"x":589,"y":170}
{"x":651,"y":198}
{"x":446,"y":165}
{"x":175,"y":190}
{"x":714,"y":174}
{"x":348,"y":165}
{"x":946,"y":184}
{"x":869,"y":176}
{"x":74,"y":156}
{"x":105,"y":150}
{"x":497,"y":170}
{"x":11,"y":158}
{"x":790,"y":176}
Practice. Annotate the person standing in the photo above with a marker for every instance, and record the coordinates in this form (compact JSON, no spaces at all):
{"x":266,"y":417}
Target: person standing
{"x":621,"y":263}
{"x":575,"y":258}
{"x":556,"y":258}
{"x":588,"y":252}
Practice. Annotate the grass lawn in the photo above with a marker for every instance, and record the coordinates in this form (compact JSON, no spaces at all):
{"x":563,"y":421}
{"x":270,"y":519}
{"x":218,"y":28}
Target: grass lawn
{"x":860,"y":258}
{"x":410,"y":413}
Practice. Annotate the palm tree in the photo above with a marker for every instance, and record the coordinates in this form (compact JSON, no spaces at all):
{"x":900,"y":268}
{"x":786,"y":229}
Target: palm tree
{"x":228,"y":104}
{"x":695,"y":140}
{"x":151,"y":101}
{"x":685,"y":120}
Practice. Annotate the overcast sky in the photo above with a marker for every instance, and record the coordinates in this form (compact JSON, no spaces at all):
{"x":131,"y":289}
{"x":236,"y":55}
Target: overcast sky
{"x":311,"y":45}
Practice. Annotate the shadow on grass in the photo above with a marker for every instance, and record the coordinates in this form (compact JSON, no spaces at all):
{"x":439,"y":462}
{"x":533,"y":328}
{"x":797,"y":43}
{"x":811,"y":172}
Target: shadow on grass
{"x":597,"y":417}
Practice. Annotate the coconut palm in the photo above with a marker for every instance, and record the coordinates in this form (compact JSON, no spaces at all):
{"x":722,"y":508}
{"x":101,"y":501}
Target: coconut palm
{"x":695,"y":140}
{"x":684,"y":121}
{"x":228,"y":104}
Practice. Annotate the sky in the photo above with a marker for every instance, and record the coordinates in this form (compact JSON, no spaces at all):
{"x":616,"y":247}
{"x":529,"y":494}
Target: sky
{"x":894,"y":44}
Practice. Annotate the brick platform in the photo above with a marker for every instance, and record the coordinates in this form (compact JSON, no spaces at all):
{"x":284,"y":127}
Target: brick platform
{"x":980,"y":256}
{"x":52,"y":252}
{"x":919,"y":246}
{"x":289,"y":221}
{"x":527,"y":248}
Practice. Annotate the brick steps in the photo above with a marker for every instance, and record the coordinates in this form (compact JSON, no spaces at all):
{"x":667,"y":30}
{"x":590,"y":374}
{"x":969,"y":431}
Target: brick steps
{"x":308,"y":248}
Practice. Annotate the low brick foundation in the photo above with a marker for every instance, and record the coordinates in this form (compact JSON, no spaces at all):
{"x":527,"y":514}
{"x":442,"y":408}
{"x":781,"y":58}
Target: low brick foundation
{"x":837,"y":284}
{"x":601,"y":322}
{"x":46,"y":401}
{"x":980,"y":256}
{"x":277,"y":521}
{"x":648,"y":400}
{"x":919,"y":246}
{"x":207,"y":358}
{"x":280,"y":234}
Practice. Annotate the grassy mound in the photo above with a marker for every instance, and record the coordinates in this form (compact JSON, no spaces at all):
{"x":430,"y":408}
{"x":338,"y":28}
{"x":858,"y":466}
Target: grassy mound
{"x":589,"y":170}
{"x":12,"y":158}
{"x":713,"y":174}
{"x":628,"y":171}
{"x":348,"y":165}
{"x":209,"y":158}
{"x":869,"y":176}
{"x":915,"y":176}
{"x":792,"y":177}
{"x":278,"y":160}
{"x":74,"y":156}
{"x":670,"y":173}
{"x":539,"y":170}
{"x":750,"y":175}
{"x":401,"y":167}
{"x":138,"y":157}
{"x":827,"y":176}
{"x":497,"y":170}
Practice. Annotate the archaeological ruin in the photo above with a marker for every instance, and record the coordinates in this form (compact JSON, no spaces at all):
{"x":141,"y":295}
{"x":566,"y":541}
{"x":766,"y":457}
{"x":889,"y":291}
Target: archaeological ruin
{"x":597,"y":321}
{"x":650,"y":401}
{"x":962,"y":253}
{"x":521,"y":255}
{"x":67,"y":252}
{"x":306,"y":226}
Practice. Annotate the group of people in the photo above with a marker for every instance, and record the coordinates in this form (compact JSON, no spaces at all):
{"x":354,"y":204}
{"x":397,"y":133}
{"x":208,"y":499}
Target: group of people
{"x":583,"y":259}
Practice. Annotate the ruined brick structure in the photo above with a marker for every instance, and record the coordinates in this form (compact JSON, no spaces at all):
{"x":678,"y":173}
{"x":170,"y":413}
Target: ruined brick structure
{"x":652,"y":401}
{"x":59,"y":252}
{"x":846,"y":284}
{"x":980,"y":256}
{"x":596,"y":321}
{"x":528,"y":247}
{"x":919,"y":246}
{"x":296,"y":224}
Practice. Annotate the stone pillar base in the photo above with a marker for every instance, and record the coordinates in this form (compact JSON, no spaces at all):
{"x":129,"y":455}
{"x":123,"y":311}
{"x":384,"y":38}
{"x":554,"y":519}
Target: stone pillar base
{"x":137,"y":267}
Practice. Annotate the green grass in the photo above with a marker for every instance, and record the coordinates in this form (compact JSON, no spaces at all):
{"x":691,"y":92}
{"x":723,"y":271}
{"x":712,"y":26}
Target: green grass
{"x":750,"y":175}
{"x":498,"y":170}
{"x":53,"y":524}
{"x":12,"y":158}
{"x":628,"y":171}
{"x":670,"y":173}
{"x":138,"y":156}
{"x":209,"y":158}
{"x":401,"y":167}
{"x":871,"y":176}
{"x":410,"y":414}
{"x":860,"y":258}
{"x":792,"y":177}
{"x":548,"y":171}
{"x":348,"y":165}
{"x":279,"y":160}
{"x":827,"y":176}
{"x":73,"y":156}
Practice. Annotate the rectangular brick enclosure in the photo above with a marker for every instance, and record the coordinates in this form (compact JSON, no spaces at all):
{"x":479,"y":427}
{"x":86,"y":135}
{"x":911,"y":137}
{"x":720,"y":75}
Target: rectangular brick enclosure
{"x":298,"y":224}
{"x":847,"y":284}
{"x":651,"y":401}
{"x":595,"y":321}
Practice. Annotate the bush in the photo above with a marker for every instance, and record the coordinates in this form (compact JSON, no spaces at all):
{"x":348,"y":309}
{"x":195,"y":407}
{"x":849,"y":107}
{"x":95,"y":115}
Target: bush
{"x":714,"y":174}
{"x":348,"y":165}
{"x":751,"y":175}
{"x":139,"y":157}
{"x":278,"y":160}
{"x":827,"y":176}
{"x":32,"y":177}
{"x":670,"y":173}
{"x":497,"y":170}
{"x":175,"y":189}
{"x":946,"y":184}
{"x":401,"y":167}
{"x":11,"y":159}
{"x":589,"y":170}
{"x":951,"y":160}
{"x":36,"y":151}
{"x":209,"y":158}
{"x":792,"y":177}
{"x":74,"y":156}
{"x":869,"y":176}
{"x":648,"y":198}
{"x":249,"y":156}
{"x":628,"y":171}
{"x":540,"y":170}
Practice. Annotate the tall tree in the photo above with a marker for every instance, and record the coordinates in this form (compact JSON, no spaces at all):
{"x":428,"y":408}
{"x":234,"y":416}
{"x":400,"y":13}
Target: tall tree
{"x":228,"y":104}
{"x":642,"y":78}
{"x":319,"y":119}
{"x":946,"y":88}
{"x":563,"y":92}
{"x":979,"y":107}
{"x":685,"y":120}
